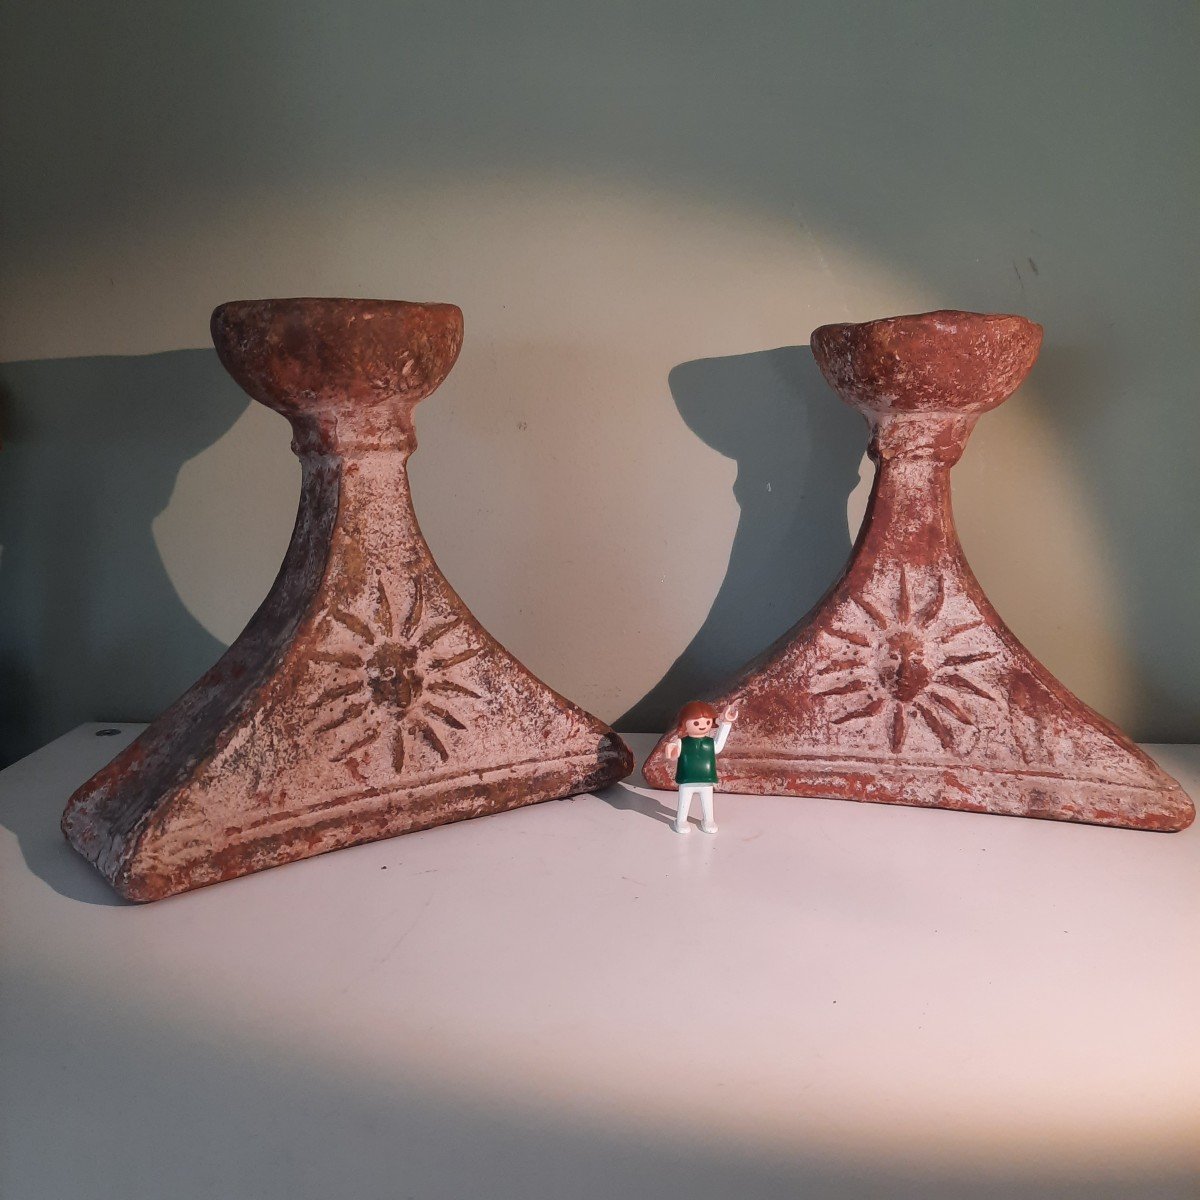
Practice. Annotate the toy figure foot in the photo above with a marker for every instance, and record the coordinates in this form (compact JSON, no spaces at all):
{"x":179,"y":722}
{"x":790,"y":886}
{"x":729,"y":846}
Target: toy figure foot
{"x":707,"y":827}
{"x":681,"y":828}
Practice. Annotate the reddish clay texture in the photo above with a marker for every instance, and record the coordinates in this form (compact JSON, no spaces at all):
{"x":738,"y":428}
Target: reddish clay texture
{"x":903,"y":686}
{"x":363,"y":699}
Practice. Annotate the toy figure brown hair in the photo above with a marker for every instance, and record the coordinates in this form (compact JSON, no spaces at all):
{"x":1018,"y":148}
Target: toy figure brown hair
{"x":697,"y":708}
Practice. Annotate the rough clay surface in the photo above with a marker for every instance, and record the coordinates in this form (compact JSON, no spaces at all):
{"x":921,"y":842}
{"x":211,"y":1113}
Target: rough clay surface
{"x":903,"y":685}
{"x":363,"y":700}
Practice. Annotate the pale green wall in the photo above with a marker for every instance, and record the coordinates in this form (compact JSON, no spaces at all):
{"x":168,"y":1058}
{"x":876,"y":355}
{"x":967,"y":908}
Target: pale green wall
{"x":643,"y":209}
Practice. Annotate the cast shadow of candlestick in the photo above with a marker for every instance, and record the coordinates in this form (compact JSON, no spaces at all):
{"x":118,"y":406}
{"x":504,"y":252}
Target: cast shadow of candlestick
{"x":91,"y":626}
{"x":798,"y":450}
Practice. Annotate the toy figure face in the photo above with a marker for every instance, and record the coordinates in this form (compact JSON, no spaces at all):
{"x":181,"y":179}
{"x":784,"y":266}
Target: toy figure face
{"x":697,"y":726}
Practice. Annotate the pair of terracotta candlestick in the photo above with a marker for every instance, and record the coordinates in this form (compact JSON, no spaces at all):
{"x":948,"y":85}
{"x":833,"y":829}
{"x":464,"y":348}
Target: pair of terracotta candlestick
{"x":363,"y":700}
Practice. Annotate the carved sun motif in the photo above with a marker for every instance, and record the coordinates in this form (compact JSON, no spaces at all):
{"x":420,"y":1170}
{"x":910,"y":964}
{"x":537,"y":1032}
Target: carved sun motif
{"x":905,"y":668}
{"x":395,"y":679}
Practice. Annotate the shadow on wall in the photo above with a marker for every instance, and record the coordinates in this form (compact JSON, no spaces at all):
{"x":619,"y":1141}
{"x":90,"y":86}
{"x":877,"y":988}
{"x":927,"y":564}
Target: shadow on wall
{"x":798,"y":450}
{"x":91,"y":627}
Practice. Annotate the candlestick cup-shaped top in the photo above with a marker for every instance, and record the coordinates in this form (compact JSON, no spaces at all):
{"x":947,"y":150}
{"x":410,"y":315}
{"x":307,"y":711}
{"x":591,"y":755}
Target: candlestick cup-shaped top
{"x":948,"y":362}
{"x":922,"y":381}
{"x":351,"y":369}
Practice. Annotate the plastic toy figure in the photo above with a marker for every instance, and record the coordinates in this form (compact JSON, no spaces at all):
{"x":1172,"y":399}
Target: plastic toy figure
{"x":696,"y":752}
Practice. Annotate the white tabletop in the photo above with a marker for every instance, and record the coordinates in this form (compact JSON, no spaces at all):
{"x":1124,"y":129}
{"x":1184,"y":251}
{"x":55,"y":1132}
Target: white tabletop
{"x":827,"y":999}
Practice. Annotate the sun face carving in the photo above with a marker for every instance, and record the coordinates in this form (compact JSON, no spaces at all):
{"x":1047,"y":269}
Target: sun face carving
{"x":908,"y":666}
{"x":390,"y":677}
{"x":904,"y":672}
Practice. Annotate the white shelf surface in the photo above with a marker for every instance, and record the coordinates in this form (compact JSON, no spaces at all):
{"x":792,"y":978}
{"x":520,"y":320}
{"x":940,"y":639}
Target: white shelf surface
{"x":827,"y":999}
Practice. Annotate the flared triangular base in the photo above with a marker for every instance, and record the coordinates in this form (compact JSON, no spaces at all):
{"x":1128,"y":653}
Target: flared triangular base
{"x":904,"y":691}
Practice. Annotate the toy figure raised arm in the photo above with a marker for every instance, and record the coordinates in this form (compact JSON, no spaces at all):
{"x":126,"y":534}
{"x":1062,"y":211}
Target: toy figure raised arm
{"x":695,"y":753}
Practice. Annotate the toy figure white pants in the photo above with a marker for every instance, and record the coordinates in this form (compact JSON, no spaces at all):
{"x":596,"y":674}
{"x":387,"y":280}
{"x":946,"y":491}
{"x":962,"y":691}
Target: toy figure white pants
{"x":686,"y":792}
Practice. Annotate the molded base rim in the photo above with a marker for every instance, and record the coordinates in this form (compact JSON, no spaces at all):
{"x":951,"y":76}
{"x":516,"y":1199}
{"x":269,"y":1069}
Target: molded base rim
{"x":353,"y":819}
{"x":959,"y":787}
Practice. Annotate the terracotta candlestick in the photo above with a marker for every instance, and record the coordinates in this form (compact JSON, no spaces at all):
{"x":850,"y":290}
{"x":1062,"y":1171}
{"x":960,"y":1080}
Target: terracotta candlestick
{"x":363,"y":700}
{"x":903,"y":685}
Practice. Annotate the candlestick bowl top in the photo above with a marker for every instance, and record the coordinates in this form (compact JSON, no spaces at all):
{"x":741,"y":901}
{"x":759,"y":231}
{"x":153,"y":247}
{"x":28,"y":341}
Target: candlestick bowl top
{"x":308,"y":355}
{"x":947,"y":362}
